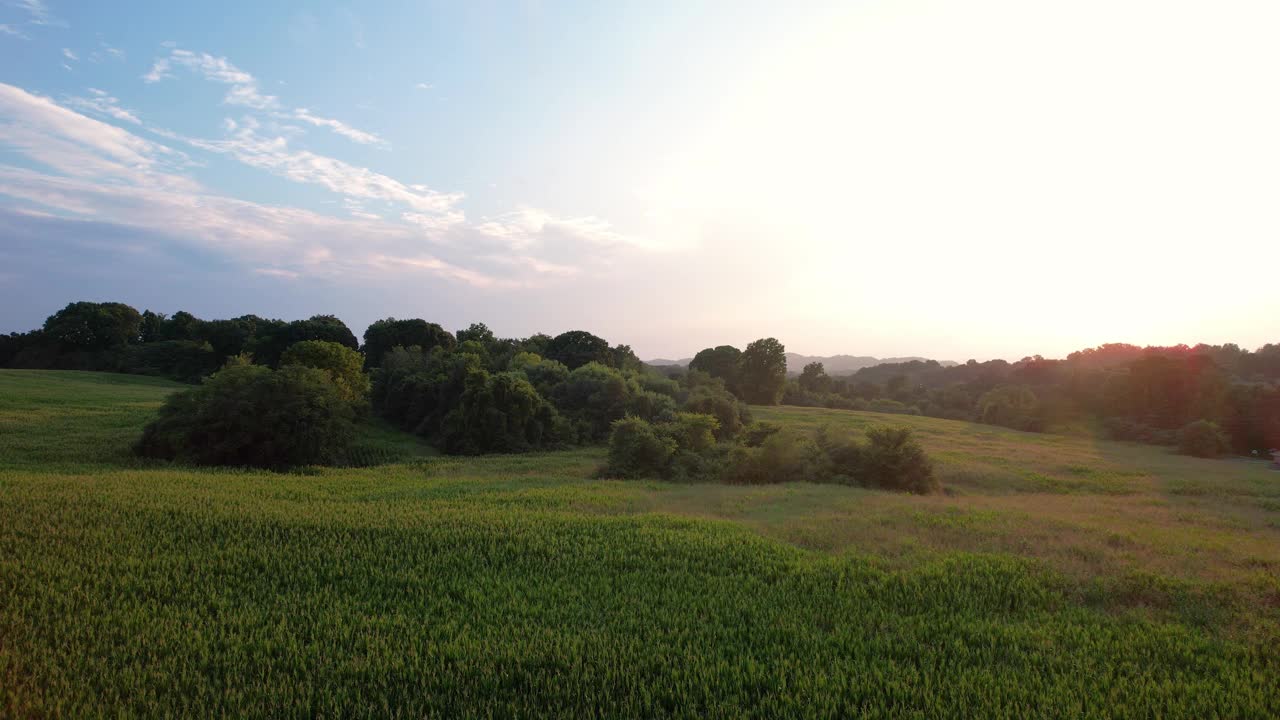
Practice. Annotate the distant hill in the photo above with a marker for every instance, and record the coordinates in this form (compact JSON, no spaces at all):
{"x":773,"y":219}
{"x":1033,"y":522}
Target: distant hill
{"x":833,"y":364}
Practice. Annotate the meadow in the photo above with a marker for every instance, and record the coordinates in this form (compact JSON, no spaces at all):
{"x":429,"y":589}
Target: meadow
{"x":1055,"y":576}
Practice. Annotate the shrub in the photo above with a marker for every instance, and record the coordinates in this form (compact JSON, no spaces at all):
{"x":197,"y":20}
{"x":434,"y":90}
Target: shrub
{"x":893,"y":460}
{"x":730,"y":412}
{"x":1203,"y":439}
{"x":344,"y":366}
{"x":250,"y":415}
{"x":637,"y":449}
{"x":782,"y":457}
{"x":844,"y":455}
{"x":693,"y":431}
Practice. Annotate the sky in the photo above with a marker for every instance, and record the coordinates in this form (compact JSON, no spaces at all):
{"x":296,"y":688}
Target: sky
{"x":992,"y":178}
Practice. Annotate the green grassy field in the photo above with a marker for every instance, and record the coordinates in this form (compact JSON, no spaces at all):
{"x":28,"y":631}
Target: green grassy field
{"x":1056,"y":577}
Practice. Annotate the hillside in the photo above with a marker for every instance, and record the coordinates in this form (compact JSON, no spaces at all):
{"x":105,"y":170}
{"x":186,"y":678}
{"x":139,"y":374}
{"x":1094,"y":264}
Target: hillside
{"x":834,"y":364}
{"x":1055,"y":577}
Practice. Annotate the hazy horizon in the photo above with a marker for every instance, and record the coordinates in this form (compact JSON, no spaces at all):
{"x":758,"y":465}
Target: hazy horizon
{"x":992,"y":179}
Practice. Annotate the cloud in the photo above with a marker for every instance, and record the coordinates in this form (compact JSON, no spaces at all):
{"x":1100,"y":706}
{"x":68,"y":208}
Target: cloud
{"x":103,"y":174}
{"x":102,"y":104}
{"x":424,"y":86}
{"x":274,"y":155}
{"x":39,"y":12}
{"x":159,"y":71}
{"x":244,"y":87}
{"x":276,"y":272}
{"x":66,"y":52}
{"x":13,"y":31}
{"x":529,"y":227}
{"x":339,"y":127}
{"x":75,"y":145}
{"x":357,"y":209}
{"x":245,"y":92}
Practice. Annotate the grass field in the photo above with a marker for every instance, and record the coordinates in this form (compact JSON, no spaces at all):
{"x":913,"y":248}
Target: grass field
{"x":1056,"y":577}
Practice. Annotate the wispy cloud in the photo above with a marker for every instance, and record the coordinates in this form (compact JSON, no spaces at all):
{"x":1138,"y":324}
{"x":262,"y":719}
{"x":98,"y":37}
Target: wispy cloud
{"x":100,"y":103}
{"x":102,"y":173}
{"x":528,"y":226}
{"x":244,"y":87}
{"x":107,"y":52}
{"x":159,"y":71}
{"x":68,"y":54}
{"x":424,"y":86}
{"x":357,"y":209}
{"x":38,"y":12}
{"x":79,"y":146}
{"x":105,"y":173}
{"x":274,"y":154}
{"x":245,"y":91}
{"x":339,"y":127}
{"x":12,"y":31}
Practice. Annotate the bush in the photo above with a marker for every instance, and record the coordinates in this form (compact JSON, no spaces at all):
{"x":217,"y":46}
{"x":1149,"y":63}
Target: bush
{"x":893,"y":460}
{"x":252,"y":416}
{"x":693,"y":431}
{"x":1203,"y":439}
{"x":637,"y":449}
{"x":730,"y":412}
{"x":782,"y":457}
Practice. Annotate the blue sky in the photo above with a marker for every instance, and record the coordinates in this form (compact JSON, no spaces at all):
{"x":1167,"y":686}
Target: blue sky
{"x":883,"y":178}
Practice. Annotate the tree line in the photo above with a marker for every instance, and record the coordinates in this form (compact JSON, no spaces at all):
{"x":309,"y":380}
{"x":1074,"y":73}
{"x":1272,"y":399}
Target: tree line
{"x":473,"y":392}
{"x":1146,"y":394}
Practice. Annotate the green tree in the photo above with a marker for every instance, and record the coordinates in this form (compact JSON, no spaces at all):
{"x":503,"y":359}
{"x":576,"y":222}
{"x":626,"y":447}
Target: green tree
{"x":93,"y":326}
{"x":151,"y":327}
{"x":388,"y":333}
{"x":814,"y":378}
{"x":722,"y":361}
{"x":500,"y":413}
{"x":1012,"y":406}
{"x":579,"y":347}
{"x":478,"y":332}
{"x":344,"y":366}
{"x":182,"y":325}
{"x":764,"y":372}
{"x":274,"y":337}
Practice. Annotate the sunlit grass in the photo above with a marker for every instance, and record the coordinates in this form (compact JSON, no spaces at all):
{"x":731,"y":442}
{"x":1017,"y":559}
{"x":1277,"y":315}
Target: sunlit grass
{"x":1058,"y":577}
